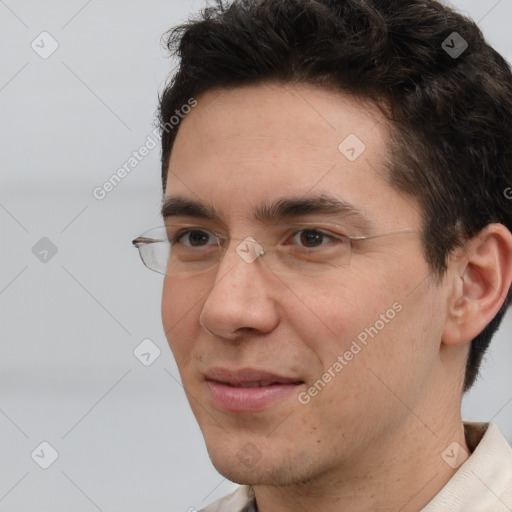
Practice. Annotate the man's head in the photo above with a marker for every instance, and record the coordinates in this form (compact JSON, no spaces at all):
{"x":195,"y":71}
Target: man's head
{"x":379,"y":105}
{"x":451,"y":123}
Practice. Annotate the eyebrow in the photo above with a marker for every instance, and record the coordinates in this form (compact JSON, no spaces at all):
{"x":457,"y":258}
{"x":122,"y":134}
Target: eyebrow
{"x":270,"y":212}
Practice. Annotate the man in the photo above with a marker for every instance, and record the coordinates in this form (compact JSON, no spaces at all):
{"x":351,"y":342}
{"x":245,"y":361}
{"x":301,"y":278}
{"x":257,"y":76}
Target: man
{"x":337,"y":250}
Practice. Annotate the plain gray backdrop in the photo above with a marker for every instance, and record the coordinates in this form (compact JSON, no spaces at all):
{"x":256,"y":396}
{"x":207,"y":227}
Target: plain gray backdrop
{"x":75,"y":300}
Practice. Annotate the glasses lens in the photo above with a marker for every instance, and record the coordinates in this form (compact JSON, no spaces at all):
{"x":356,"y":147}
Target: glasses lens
{"x":305,"y":250}
{"x":178,"y":250}
{"x":154,"y":248}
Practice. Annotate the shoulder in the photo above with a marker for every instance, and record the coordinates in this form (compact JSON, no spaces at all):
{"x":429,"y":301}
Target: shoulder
{"x":484,"y":482}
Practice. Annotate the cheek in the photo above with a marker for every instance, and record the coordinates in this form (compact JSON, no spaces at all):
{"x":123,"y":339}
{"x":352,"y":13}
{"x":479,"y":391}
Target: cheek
{"x":329,"y":319}
{"x":180,"y":311}
{"x":363,"y":323}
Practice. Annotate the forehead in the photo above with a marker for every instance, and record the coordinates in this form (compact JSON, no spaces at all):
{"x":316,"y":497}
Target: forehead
{"x":246,"y":145}
{"x":272,"y":114}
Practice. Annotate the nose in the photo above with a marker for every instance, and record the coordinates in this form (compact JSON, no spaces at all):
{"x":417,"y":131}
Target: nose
{"x":240,"y":299}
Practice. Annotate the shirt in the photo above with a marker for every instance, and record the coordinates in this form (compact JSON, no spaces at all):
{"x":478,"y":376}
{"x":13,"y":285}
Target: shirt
{"x":482,"y":484}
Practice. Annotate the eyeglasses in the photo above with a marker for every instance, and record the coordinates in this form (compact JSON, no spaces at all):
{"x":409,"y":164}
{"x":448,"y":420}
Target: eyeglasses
{"x":183,"y":250}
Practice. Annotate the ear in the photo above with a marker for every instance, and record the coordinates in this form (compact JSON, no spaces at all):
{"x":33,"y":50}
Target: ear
{"x":483,"y":275}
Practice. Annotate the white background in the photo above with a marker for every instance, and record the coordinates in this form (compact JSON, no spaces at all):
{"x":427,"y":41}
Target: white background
{"x":125,"y":435}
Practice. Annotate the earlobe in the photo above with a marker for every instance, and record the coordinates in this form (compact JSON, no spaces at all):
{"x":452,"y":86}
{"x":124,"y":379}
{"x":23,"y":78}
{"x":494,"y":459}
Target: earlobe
{"x":483,"y":280}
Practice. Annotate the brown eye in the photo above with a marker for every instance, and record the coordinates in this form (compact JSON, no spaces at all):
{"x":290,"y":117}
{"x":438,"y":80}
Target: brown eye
{"x":193,"y":238}
{"x":311,"y":237}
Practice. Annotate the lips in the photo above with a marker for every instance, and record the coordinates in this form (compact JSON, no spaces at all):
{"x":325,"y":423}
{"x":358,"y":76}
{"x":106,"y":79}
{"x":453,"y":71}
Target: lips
{"x":257,"y":384}
{"x":248,"y":377}
{"x":248,"y":390}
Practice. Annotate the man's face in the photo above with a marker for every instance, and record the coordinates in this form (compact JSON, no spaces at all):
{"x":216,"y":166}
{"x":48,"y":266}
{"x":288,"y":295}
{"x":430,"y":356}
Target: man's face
{"x":378,"y":318}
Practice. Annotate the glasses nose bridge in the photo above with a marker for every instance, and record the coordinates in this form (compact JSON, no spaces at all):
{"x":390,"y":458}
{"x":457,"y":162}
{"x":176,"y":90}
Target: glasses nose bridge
{"x":247,"y":249}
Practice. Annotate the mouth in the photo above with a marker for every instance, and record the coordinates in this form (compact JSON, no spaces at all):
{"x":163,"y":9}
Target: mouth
{"x":248,"y":389}
{"x":248,"y":377}
{"x":256,"y":384}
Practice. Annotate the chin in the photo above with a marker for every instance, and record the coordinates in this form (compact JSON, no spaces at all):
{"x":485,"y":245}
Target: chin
{"x":272,"y":468}
{"x":243,"y":475}
{"x":242,"y":465}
